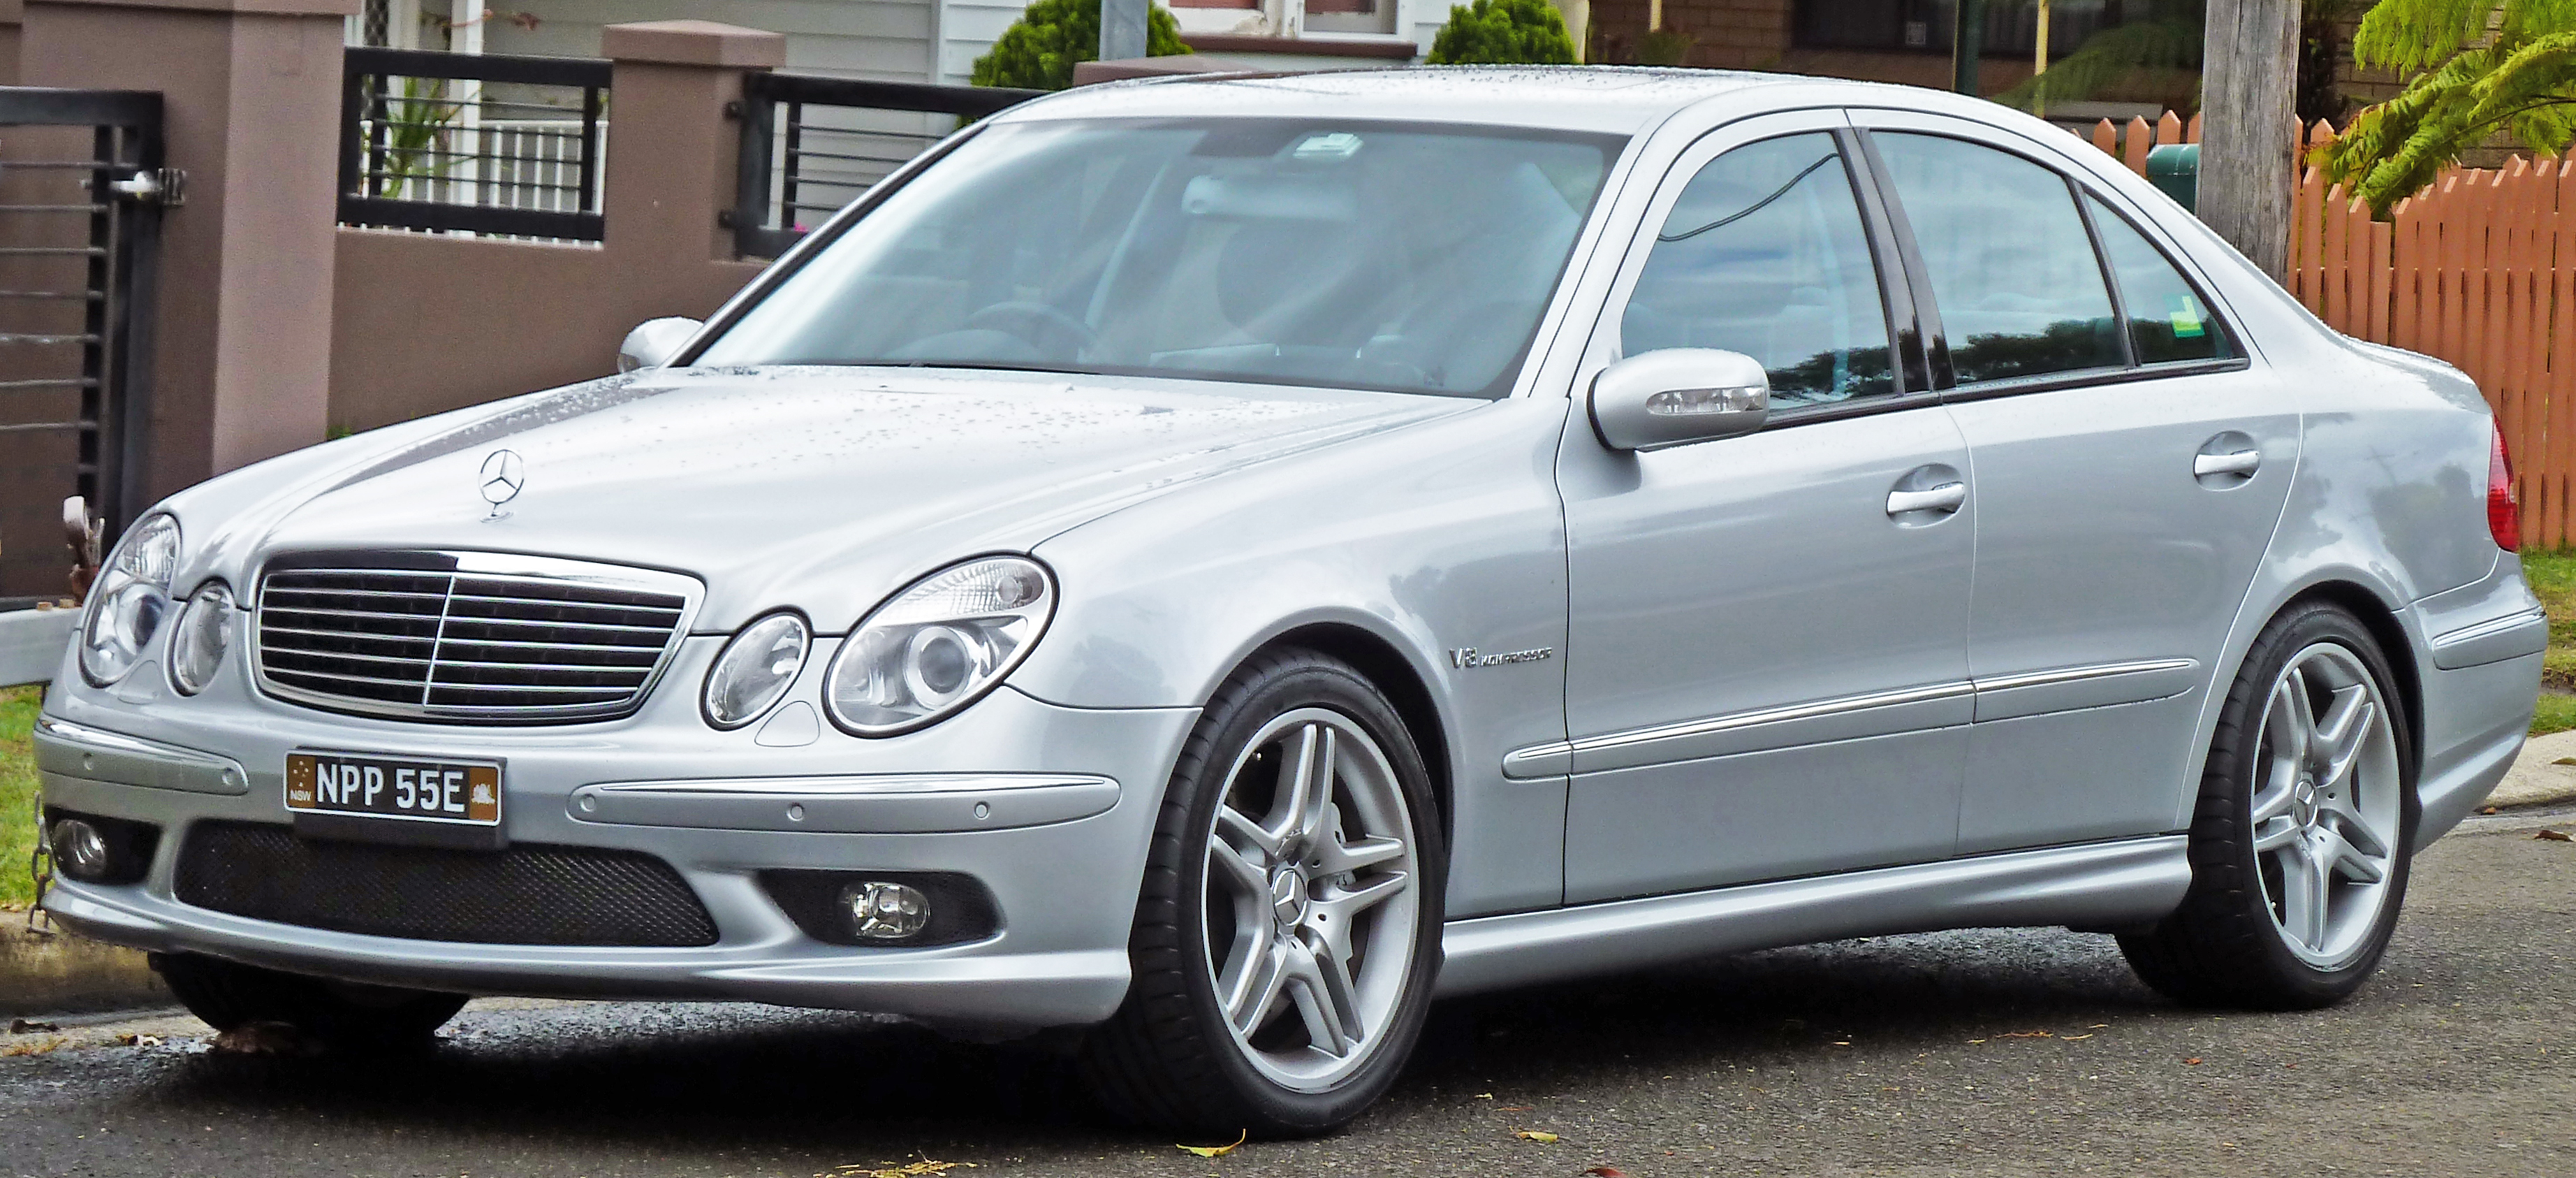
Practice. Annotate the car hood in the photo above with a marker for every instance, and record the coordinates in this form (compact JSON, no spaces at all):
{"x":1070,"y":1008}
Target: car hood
{"x":818,"y":489}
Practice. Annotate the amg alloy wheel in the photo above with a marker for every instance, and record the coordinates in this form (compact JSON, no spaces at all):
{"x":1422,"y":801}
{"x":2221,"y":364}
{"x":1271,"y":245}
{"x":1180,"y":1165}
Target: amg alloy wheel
{"x":2300,"y":843}
{"x":1287,"y":936}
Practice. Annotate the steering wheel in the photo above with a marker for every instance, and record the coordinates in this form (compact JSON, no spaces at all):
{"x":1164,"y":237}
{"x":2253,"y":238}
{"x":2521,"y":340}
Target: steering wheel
{"x":1014,"y":317}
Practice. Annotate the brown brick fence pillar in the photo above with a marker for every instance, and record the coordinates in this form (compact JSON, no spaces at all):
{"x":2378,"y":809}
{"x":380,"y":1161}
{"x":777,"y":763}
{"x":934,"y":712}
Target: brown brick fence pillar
{"x":242,"y":361}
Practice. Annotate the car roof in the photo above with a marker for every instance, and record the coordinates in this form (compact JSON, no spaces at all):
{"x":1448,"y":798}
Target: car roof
{"x":1620,"y":99}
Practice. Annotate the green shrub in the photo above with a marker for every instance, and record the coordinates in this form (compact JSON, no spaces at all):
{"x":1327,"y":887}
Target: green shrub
{"x":1039,"y":50}
{"x":1503,"y":32}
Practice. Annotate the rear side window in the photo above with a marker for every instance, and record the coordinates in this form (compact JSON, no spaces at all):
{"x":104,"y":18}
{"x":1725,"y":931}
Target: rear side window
{"x":1764,"y":254}
{"x":2167,"y":320}
{"x":2013,"y":273}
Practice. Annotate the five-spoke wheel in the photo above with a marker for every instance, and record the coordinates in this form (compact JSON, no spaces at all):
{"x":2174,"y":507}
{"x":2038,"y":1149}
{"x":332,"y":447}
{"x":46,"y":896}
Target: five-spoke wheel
{"x":1311,"y":908}
{"x":2300,"y":840}
{"x":1287,"y":932}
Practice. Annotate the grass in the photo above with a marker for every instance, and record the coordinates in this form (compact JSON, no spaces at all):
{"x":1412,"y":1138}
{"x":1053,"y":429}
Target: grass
{"x":2552,"y":576}
{"x":17,"y":792}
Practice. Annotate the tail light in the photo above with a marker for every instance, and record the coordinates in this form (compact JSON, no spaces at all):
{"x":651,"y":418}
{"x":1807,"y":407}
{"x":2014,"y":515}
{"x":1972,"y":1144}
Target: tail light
{"x":2504,"y":508}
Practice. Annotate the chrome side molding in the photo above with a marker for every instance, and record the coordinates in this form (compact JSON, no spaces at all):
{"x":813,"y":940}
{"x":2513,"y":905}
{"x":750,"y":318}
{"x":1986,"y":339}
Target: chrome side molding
{"x":1999,"y":697}
{"x":2132,"y":881}
{"x":911,"y":803}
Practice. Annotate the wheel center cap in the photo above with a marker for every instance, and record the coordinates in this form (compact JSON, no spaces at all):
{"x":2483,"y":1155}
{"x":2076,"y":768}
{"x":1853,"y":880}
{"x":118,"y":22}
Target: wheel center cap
{"x":1288,"y":896}
{"x":2303,"y":800}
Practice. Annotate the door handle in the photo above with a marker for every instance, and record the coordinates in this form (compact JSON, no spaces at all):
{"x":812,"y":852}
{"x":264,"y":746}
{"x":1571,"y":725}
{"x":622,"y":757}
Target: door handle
{"x":1944,"y":498}
{"x":2238,"y":462}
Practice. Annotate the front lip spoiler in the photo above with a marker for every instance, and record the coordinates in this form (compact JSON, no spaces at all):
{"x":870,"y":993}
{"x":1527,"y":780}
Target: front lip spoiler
{"x":966,"y":984}
{"x":903,"y":803}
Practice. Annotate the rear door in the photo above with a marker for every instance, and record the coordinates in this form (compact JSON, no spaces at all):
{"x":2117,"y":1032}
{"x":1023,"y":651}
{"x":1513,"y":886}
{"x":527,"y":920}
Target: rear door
{"x":1766,"y":656}
{"x":2129,"y":467}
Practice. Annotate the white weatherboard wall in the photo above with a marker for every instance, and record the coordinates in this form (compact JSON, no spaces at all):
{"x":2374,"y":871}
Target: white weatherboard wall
{"x":967,"y":30}
{"x":884,"y":40}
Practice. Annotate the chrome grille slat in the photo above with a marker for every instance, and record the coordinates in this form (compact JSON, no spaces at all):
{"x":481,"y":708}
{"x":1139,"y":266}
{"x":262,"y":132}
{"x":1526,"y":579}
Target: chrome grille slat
{"x":493,"y":639}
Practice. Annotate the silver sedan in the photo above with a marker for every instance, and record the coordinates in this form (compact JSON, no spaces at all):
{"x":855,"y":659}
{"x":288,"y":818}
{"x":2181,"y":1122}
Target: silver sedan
{"x":1204,"y":568}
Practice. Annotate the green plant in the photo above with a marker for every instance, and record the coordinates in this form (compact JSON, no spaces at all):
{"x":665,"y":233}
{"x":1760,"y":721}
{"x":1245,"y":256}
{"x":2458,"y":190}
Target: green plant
{"x":1503,"y":32}
{"x":1039,"y":50}
{"x":2474,"y":68}
{"x":414,"y":124}
{"x":1664,"y":47}
{"x":17,"y":792}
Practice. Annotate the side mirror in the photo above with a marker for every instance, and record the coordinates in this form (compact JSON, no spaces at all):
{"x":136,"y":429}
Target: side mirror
{"x":1676,"y":396}
{"x":654,"y":342}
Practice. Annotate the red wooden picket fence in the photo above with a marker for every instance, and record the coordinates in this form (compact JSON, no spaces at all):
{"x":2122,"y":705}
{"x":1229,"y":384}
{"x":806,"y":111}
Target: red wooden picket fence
{"x":2478,"y":269}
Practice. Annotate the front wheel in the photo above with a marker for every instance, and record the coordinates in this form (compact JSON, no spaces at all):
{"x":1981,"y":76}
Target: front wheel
{"x":229,"y":996}
{"x":2300,"y":844}
{"x":1288,"y":930}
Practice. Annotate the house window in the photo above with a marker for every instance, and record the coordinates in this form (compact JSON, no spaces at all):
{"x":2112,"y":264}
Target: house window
{"x":1924,"y":26}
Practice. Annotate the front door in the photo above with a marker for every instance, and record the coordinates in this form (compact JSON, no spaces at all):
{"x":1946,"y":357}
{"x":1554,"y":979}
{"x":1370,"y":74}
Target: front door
{"x":1766,"y":657}
{"x":2130,"y":467}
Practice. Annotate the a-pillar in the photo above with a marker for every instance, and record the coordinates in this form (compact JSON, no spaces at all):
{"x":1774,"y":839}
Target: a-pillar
{"x":665,"y":193}
{"x":242,"y":359}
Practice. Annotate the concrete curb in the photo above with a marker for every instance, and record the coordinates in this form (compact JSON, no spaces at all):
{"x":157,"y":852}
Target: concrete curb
{"x":2536,"y":779}
{"x":59,"y":973}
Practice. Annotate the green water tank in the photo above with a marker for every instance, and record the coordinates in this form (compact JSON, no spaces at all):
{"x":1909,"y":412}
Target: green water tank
{"x":2175,"y":169}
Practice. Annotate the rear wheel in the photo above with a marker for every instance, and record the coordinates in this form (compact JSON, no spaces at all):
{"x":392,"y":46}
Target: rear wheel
{"x":228,"y":996}
{"x":1287,"y":934}
{"x":2300,"y":843}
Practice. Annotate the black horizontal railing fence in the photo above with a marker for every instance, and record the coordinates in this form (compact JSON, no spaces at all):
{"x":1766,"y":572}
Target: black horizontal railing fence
{"x":811,"y":145}
{"x":481,"y":143}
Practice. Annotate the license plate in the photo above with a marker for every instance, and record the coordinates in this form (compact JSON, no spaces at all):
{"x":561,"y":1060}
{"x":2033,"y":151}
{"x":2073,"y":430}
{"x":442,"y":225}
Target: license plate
{"x":461,"y":792}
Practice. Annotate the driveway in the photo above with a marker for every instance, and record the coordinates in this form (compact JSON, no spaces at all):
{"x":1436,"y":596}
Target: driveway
{"x":2010,"y":1052}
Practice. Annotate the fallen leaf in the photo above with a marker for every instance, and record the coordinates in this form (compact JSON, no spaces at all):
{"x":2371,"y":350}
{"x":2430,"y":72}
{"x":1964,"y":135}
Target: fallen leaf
{"x":139,"y":1040}
{"x":38,"y":1048}
{"x":1609,"y":1171}
{"x":2027,"y":1035}
{"x":20,"y":1026}
{"x":2564,"y":761}
{"x":1216,"y":1151}
{"x":1976,"y":1040}
{"x":1842,"y":1042}
{"x":2072,"y":1038}
{"x":2193,"y":1062}
{"x":1484,"y":1096}
{"x":1541,"y":1136}
{"x":2555,"y":836}
{"x":2489,"y":810}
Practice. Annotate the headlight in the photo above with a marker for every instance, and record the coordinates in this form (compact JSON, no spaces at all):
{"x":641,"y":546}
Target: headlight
{"x":939,"y":645}
{"x":755,"y":670}
{"x":197,"y":642}
{"x":127,"y":603}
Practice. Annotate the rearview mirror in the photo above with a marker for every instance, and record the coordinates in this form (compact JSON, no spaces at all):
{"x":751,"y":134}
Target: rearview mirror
{"x":1675,"y":396}
{"x":654,"y":342}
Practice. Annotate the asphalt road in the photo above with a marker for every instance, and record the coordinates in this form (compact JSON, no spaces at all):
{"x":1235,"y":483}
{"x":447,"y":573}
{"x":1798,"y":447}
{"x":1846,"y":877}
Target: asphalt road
{"x":2022,"y":1052}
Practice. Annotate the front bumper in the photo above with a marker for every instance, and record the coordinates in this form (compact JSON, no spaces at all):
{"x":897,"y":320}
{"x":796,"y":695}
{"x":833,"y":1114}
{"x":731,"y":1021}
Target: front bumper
{"x":1050,"y":808}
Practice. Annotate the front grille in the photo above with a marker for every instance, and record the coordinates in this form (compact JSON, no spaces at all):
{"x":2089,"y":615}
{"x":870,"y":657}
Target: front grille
{"x":526,"y":895}
{"x":466,"y":636}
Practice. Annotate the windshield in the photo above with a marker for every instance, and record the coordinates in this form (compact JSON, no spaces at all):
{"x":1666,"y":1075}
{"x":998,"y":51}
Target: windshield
{"x":1407,"y":257}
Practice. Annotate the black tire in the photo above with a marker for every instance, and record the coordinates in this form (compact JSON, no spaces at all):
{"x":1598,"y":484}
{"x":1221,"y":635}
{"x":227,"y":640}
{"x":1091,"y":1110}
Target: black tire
{"x":228,"y":996}
{"x":1169,"y":1058}
{"x":2227,"y":946}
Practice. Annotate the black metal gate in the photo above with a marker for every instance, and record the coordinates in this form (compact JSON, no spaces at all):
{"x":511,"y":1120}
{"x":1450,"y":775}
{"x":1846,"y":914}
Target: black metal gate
{"x":82,"y":186}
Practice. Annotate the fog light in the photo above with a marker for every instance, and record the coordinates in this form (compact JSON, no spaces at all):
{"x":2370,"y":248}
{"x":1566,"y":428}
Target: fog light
{"x":882,"y":911}
{"x":80,"y":850}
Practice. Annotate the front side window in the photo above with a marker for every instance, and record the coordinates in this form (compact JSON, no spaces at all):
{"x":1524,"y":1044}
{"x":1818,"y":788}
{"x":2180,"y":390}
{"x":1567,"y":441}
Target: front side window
{"x":1764,"y":254}
{"x":2013,"y":274}
{"x":1403,"y":257}
{"x":2167,"y":321}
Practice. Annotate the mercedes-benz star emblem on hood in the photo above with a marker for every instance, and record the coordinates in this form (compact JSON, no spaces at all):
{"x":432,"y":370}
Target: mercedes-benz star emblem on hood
{"x":504,"y":472}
